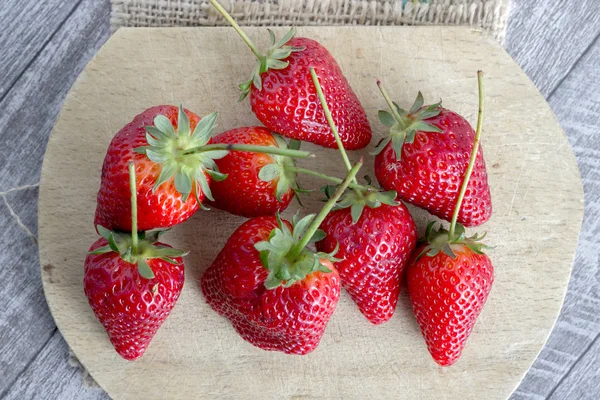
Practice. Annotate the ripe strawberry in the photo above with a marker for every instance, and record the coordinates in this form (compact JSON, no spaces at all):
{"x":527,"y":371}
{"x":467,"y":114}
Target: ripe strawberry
{"x":448,"y":293}
{"x":425,"y":157}
{"x":373,"y":252}
{"x":166,"y":179}
{"x":375,"y":236}
{"x":284,"y":100}
{"x":277,"y":293}
{"x":132,"y":283}
{"x":450,"y":279}
{"x":257,"y":183}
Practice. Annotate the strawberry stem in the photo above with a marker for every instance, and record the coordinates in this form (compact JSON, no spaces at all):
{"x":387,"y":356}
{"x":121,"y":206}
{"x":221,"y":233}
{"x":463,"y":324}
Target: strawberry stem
{"x":249,"y":148}
{"x":473,"y":157}
{"x":237,"y":28}
{"x":318,"y":219}
{"x":325,"y":177}
{"x":133,"y":190}
{"x":327,"y":112}
{"x":390,"y":103}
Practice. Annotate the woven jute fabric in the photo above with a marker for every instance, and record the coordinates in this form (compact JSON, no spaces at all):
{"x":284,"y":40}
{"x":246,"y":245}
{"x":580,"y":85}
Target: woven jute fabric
{"x":489,"y":15}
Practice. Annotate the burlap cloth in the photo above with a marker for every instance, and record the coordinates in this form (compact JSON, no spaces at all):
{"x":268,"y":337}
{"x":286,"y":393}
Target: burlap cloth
{"x":489,"y":15}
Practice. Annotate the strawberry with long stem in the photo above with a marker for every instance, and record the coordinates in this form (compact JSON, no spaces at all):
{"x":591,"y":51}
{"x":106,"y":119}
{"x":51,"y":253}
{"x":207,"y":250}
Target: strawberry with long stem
{"x":450,"y":278}
{"x":424,"y":158}
{"x":278,"y":293}
{"x":376,"y":236}
{"x":284,"y":100}
{"x":176,"y":162}
{"x":132,"y":282}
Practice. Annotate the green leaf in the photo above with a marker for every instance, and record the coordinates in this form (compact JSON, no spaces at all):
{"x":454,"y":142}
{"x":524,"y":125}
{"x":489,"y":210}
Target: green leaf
{"x":164,"y":125}
{"x":155,"y":132}
{"x":272,"y":36}
{"x":215,"y":154}
{"x":318,"y":236}
{"x":256,"y":81}
{"x":447,"y":250}
{"x":400,"y":110}
{"x":410,"y":136}
{"x":167,"y":172}
{"x":276,"y":64}
{"x":270,"y":172}
{"x":216,"y":175}
{"x":113,"y":244}
{"x":417,"y":104}
{"x":381,"y":145}
{"x":205,"y":128}
{"x":183,"y":184}
{"x":429,"y":231}
{"x":154,"y":234}
{"x":102,"y":250}
{"x":459,"y":232}
{"x":153,"y":142}
{"x":388,"y":198}
{"x":183,"y":122}
{"x":295,"y":144}
{"x":356,"y":210}
{"x":272,"y":281}
{"x":286,"y":38}
{"x":141,"y":149}
{"x":201,"y":178}
{"x":397,"y":143}
{"x":169,"y":260}
{"x":423,"y":126}
{"x":155,"y":156}
{"x":301,"y":226}
{"x":386,"y":118}
{"x":105,"y":233}
{"x":163,"y":251}
{"x":144,"y":269}
{"x":282,"y":188}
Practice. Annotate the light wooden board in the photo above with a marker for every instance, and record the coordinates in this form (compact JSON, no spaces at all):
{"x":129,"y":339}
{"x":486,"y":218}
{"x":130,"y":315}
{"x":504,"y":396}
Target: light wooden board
{"x":535,"y":185}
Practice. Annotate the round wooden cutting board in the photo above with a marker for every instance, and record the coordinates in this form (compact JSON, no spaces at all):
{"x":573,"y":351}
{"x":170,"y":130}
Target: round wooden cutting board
{"x":536,"y":189}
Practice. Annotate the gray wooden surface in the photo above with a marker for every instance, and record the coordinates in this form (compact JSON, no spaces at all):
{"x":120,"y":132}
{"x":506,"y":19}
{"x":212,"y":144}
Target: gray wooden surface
{"x":45,"y":44}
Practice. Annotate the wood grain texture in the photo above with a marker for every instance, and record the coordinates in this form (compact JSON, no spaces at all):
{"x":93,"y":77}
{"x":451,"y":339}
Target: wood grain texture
{"x":51,"y":376}
{"x":30,"y":108}
{"x":20,"y":43}
{"x":204,"y":357}
{"x":547,"y":37}
{"x":26,"y":324}
{"x":571,"y":359}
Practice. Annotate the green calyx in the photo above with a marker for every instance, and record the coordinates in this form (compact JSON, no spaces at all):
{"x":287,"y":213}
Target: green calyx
{"x":283,"y":169}
{"x":167,"y":146}
{"x":403,"y":125}
{"x":446,"y":242}
{"x":276,"y":253}
{"x":122,"y":244}
{"x":272,"y":59}
{"x":360,"y":197}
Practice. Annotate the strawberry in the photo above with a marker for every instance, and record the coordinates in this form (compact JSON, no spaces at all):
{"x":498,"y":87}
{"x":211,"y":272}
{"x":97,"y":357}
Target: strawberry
{"x":284,"y":100}
{"x":132,"y":283}
{"x":277,"y":293}
{"x":375,"y":236}
{"x":165,"y":179}
{"x":257,"y":183}
{"x":424,"y":159}
{"x":450,"y":278}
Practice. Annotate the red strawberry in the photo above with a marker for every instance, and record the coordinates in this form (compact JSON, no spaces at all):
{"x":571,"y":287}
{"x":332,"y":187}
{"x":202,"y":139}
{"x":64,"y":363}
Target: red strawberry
{"x":277,"y":293}
{"x":257,"y":183}
{"x":166,"y":179}
{"x":132,"y":283}
{"x":283,"y":97}
{"x":373,"y":251}
{"x":425,"y":157}
{"x":375,"y":236}
{"x":450,"y":279}
{"x":448,"y":295}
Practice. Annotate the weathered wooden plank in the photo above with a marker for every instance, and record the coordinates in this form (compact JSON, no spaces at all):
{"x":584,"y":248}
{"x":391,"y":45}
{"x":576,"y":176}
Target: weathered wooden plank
{"x":583,"y":381}
{"x":568,"y":358}
{"x":31,"y":106}
{"x":547,"y":37}
{"x":26,"y":324}
{"x":27,"y":25}
{"x":51,"y":375}
{"x":23,"y":203}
